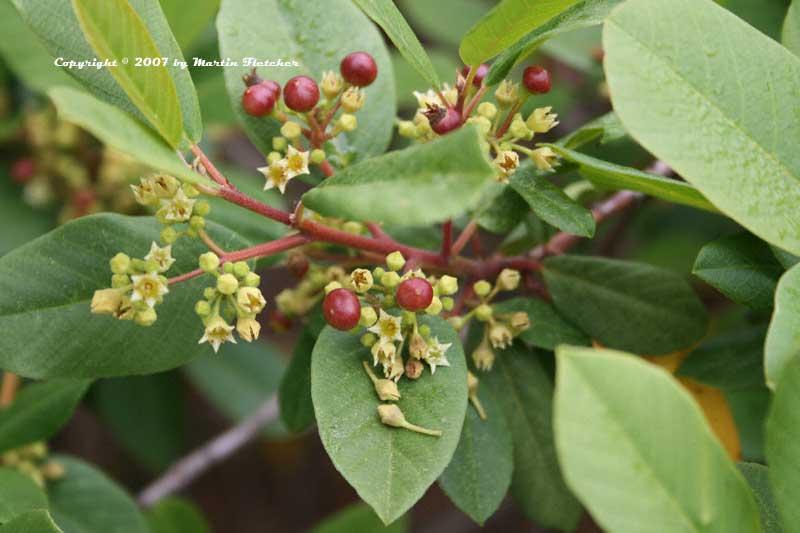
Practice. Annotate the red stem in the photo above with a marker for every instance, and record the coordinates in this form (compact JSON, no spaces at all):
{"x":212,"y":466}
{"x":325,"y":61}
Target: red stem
{"x":464,"y":237}
{"x":472,"y":103}
{"x":447,"y":239}
{"x":209,"y":166}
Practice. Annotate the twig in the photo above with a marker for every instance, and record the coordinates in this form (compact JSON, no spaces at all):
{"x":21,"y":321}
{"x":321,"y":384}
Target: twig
{"x":9,"y":389}
{"x":186,"y":470}
{"x":447,"y":239}
{"x":464,"y":237}
{"x":213,"y":246}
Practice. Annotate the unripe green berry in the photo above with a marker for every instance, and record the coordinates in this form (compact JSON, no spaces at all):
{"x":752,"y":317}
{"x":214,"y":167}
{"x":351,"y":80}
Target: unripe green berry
{"x":317,"y":156}
{"x":407,"y":129}
{"x":447,"y":285}
{"x":390,"y":279}
{"x":227,"y":284}
{"x":241,"y":269}
{"x":146,"y":317}
{"x":209,"y":293}
{"x":436,"y":306}
{"x":202,"y":208}
{"x":378,"y":272}
{"x":209,"y":262}
{"x":291,"y":130}
{"x":227,"y":268}
{"x":482,"y":287}
{"x":347,"y":122}
{"x":448,"y":303}
{"x":168,"y":235}
{"x":197,"y":222}
{"x":274,"y":157}
{"x":279,"y":144}
{"x":487,"y":110}
{"x":202,"y":308}
{"x":120,"y":263}
{"x":395,"y":261}
{"x":120,"y":280}
{"x":425,"y":330}
{"x":388,"y":301}
{"x":332,"y":286}
{"x":252,"y":280}
{"x":368,"y":316}
{"x":483,"y":312}
{"x":368,"y":340}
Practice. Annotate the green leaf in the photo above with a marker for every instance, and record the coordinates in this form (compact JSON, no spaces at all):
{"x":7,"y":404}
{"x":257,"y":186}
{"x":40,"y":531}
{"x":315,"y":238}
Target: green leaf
{"x":294,"y":395}
{"x":237,"y":383}
{"x":783,"y":337}
{"x":117,"y":33}
{"x":506,"y":23}
{"x":39,"y":410}
{"x":479,"y":474}
{"x":742,"y":267}
{"x":548,"y":328}
{"x":607,"y":128}
{"x":619,"y":177}
{"x":57,"y":25}
{"x":791,"y":28}
{"x":786,"y":259}
{"x":121,"y":131}
{"x":18,"y":494}
{"x":424,"y":184}
{"x":48,"y":285}
{"x":28,"y":222}
{"x":551,"y":204}
{"x":647,"y":465}
{"x":386,"y":15}
{"x":38,"y":521}
{"x":359,"y":518}
{"x":390,"y":468}
{"x":626,"y":305}
{"x":737,"y":89}
{"x":758,"y":477}
{"x":501,"y":209}
{"x":767,"y":16}
{"x":783,"y":444}
{"x":426,"y":17}
{"x":86,"y":500}
{"x":175,"y":515}
{"x":749,"y":409}
{"x":318,"y":34}
{"x":525,"y":394}
{"x":583,"y":14}
{"x":146,"y":415}
{"x":188,"y":24}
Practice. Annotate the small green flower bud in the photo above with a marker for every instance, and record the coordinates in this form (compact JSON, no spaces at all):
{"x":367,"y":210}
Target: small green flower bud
{"x":368,"y":316}
{"x":146,"y":317}
{"x":202,"y":308}
{"x":252,"y":280}
{"x":209,"y":262}
{"x":425,"y":330}
{"x":209,"y":293}
{"x":227,"y":284}
{"x":120,"y":263}
{"x":202,"y":208}
{"x":484,"y":312}
{"x":447,"y":285}
{"x":378,"y":272}
{"x":317,"y":156}
{"x":190,"y":190}
{"x":151,"y":265}
{"x":482,"y":287}
{"x":191,"y":232}
{"x":347,"y":122}
{"x":448,"y":303}
{"x":197,"y":222}
{"x":241,"y":269}
{"x":120,"y":280}
{"x":353,"y":99}
{"x":484,"y":124}
{"x":368,"y":340}
{"x":507,"y":93}
{"x":279,"y":144}
{"x":435,"y":307}
{"x":388,"y":301}
{"x":106,"y":301}
{"x":508,"y":280}
{"x":407,"y":129}
{"x":519,"y":129}
{"x":332,"y":286}
{"x":487,"y":110}
{"x":168,"y":235}
{"x":227,"y":268}
{"x":274,"y":157}
{"x":291,"y":130}
{"x":395,"y":261}
{"x":390,"y":279}
{"x":356,"y":228}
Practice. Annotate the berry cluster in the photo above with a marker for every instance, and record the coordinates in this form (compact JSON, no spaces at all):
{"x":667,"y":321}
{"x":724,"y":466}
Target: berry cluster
{"x":32,"y":461}
{"x":317,"y":122}
{"x":386,"y":303}
{"x":501,"y":124}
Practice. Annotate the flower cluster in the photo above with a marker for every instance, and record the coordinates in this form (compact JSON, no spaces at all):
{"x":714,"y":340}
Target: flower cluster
{"x":176,"y":204}
{"x":235,"y":296}
{"x":32,"y":461}
{"x":310,"y":291}
{"x":501,"y":124}
{"x":499,"y":329}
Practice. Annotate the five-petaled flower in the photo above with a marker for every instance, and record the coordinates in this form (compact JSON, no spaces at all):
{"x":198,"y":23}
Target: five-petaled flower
{"x":148,"y":288}
{"x":542,"y":120}
{"x":435,"y":355}
{"x":217,"y":332}
{"x":506,"y":162}
{"x":296,"y":162}
{"x":250,"y":299}
{"x":388,"y":328}
{"x":276,"y":174}
{"x":178,"y":208}
{"x":162,"y":256}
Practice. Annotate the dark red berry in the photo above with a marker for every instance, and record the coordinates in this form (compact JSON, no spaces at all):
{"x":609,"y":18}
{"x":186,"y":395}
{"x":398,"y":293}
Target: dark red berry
{"x":414,"y":294}
{"x":444,"y":120}
{"x":273,"y":86}
{"x":536,"y":79}
{"x":480,"y":73}
{"x":342,"y":309}
{"x":359,"y":69}
{"x":23,"y":169}
{"x":258,"y":100}
{"x":301,"y":93}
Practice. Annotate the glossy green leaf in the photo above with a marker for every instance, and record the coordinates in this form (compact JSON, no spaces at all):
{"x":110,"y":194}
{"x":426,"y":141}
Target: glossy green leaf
{"x":390,"y":468}
{"x":359,"y":518}
{"x":791,"y":28}
{"x":606,"y":128}
{"x":736,"y":87}
{"x":619,"y":177}
{"x":385,"y":14}
{"x":121,"y":131}
{"x":783,"y":337}
{"x":786,"y":259}
{"x":479,"y":474}
{"x":757,"y":476}
{"x":424,"y":184}
{"x":38,"y":521}
{"x":749,"y":409}
{"x":50,"y":332}
{"x":506,"y":23}
{"x":524,"y":392}
{"x":174,"y":515}
{"x":742,"y":267}
{"x":86,"y":500}
{"x":242,"y":380}
{"x":57,"y":25}
{"x":294,"y":395}
{"x":548,"y":328}
{"x":650,"y":465}
{"x":18,"y":494}
{"x":626,"y":305}
{"x":766,"y":16}
{"x":188,"y":24}
{"x":501,"y":209}
{"x":729,"y":361}
{"x":317,"y":34}
{"x":583,"y":14}
{"x":551,"y":204}
{"x":145,"y":415}
{"x":783,"y":444}
{"x":39,"y":410}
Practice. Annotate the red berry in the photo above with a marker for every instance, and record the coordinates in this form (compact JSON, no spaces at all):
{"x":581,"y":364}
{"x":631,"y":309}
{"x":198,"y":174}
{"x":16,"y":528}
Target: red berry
{"x":301,"y":93}
{"x":273,"y":86}
{"x":23,"y":169}
{"x":536,"y":79}
{"x":359,"y":69}
{"x":258,"y":100}
{"x":414,"y":294}
{"x":342,"y":309}
{"x":480,"y":73}
{"x":445,"y":121}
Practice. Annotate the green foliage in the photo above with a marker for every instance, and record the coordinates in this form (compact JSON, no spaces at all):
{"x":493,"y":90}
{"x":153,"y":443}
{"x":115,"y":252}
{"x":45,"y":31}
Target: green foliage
{"x":390,"y":468}
{"x":729,"y":361}
{"x":625,"y":305}
{"x":38,"y":521}
{"x":548,"y":328}
{"x":501,"y":209}
{"x":18,"y":494}
{"x":605,"y":128}
{"x":725,"y":83}
{"x":39,"y":411}
{"x":791,"y":28}
{"x":647,"y":465}
{"x":188,"y":24}
{"x":359,"y":518}
{"x":420,"y":185}
{"x":28,"y":223}
{"x":174,"y":515}
{"x":758,"y":477}
{"x":294,"y":394}
{"x":783,"y":337}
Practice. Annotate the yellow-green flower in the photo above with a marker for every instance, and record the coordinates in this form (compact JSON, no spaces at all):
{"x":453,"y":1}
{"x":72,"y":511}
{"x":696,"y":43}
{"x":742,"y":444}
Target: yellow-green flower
{"x":148,"y":288}
{"x":217,"y":332}
{"x":162,"y":256}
